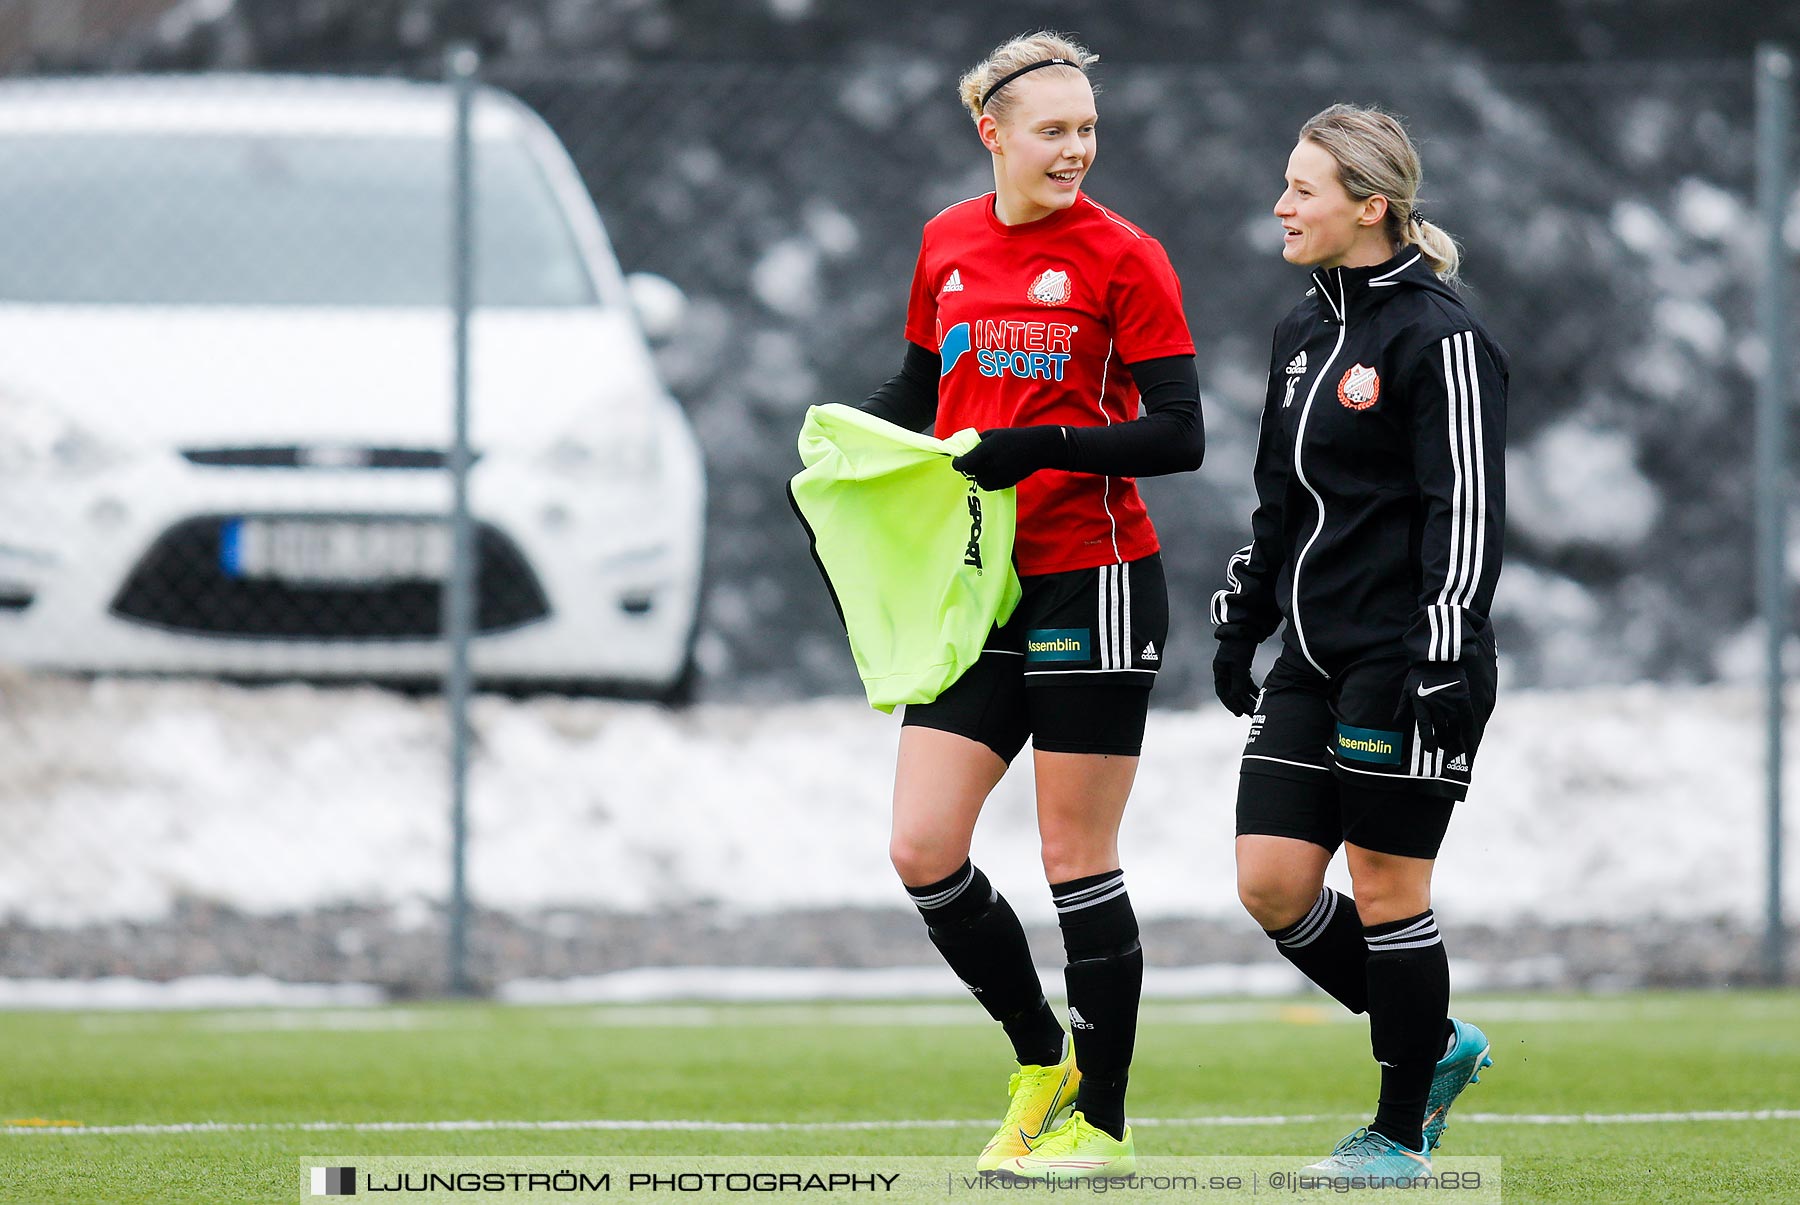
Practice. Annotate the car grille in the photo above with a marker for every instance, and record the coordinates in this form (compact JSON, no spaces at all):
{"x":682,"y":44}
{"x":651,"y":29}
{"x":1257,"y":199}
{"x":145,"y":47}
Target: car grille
{"x":180,"y":584}
{"x":321,"y":456}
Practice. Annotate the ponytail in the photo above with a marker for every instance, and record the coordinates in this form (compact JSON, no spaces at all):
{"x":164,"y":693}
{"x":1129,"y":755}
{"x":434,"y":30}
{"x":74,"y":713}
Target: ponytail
{"x":1376,"y":157}
{"x":1440,"y":250}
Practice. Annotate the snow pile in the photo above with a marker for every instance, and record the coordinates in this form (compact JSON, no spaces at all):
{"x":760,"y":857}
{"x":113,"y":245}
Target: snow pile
{"x":118,"y":799}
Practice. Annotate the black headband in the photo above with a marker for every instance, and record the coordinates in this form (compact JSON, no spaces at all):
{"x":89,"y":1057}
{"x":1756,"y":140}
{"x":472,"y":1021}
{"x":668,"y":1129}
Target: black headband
{"x":1010,"y":77}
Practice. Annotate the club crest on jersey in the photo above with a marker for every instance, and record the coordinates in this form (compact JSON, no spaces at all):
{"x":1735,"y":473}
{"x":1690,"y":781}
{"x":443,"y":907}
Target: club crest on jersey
{"x":1359,"y":387}
{"x":1050,"y":288}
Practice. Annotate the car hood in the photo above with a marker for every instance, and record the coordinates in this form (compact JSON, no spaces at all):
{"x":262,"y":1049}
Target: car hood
{"x":194,"y":377}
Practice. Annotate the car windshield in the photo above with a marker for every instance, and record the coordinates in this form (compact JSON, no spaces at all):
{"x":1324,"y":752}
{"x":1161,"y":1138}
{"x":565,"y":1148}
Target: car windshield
{"x":272,"y":219}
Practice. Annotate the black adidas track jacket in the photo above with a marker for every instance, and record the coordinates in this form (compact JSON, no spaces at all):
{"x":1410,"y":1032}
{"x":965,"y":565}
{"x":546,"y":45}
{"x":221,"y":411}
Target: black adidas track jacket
{"x":1380,"y":474}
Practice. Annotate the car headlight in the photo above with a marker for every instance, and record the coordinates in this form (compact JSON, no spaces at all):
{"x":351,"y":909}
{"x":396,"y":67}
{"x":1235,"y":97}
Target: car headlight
{"x":619,"y":442}
{"x":39,"y":439}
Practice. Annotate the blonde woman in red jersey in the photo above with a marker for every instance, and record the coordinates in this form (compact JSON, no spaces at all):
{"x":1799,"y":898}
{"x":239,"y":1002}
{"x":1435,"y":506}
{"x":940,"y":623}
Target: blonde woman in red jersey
{"x":1055,"y":327}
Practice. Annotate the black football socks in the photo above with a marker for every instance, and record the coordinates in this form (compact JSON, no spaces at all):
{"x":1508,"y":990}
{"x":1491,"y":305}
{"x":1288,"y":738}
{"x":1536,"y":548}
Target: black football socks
{"x":1327,"y":945}
{"x":978,"y":934}
{"x":1105,"y":978}
{"x":1409,"y":1005}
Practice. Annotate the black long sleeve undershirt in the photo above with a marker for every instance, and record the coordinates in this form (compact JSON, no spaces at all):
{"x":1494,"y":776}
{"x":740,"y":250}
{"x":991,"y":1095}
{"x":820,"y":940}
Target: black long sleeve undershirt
{"x":1169,"y":438}
{"x":909,"y":398}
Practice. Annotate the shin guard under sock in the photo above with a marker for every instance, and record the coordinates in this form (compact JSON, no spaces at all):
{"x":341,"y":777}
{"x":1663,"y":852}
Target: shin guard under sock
{"x":1409,"y":1001}
{"x":1105,"y":978}
{"x":1327,"y":945}
{"x":978,"y":934}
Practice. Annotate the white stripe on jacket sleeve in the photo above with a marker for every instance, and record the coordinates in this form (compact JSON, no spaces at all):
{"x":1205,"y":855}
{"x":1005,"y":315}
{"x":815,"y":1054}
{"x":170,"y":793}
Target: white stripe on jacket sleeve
{"x":1468,"y":497}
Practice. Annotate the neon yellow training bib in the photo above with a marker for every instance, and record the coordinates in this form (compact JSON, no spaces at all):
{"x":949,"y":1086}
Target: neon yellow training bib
{"x":919,"y":561}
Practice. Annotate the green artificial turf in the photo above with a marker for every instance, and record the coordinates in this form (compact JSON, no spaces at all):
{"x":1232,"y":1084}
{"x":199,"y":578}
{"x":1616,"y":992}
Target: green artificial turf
{"x":1300,"y":1067}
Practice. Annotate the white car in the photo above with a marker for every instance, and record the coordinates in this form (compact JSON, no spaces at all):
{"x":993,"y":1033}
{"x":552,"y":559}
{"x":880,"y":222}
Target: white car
{"x":226,"y":393}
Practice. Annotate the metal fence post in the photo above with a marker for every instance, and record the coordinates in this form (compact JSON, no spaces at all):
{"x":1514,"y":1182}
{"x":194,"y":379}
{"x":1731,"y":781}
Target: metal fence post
{"x":1774,"y":105}
{"x":459,"y":594}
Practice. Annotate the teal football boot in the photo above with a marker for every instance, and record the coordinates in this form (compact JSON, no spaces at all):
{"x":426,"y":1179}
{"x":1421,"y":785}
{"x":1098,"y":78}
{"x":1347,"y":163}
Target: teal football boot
{"x":1455,"y":1071}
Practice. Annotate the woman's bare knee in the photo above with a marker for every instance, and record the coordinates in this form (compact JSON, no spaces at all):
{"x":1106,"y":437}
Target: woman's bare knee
{"x":1065,"y":861}
{"x":1080,"y":802}
{"x":1276,"y":903}
{"x":922,"y":862}
{"x":1279,"y":878}
{"x":940,"y":783}
{"x":1389,"y":887}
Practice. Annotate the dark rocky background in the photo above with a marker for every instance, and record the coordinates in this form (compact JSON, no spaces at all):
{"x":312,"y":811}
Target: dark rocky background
{"x":776,"y":159}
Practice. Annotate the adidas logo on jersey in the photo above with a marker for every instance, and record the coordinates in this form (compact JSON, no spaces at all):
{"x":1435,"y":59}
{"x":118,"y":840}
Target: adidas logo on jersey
{"x":1149,"y":653}
{"x":954,"y":284}
{"x":1459,"y":762}
{"x":1077,"y":1020}
{"x":1295,"y":370}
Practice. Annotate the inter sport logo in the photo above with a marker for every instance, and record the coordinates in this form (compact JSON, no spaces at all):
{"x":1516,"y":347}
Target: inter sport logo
{"x":1039,"y":350}
{"x":952,"y":347}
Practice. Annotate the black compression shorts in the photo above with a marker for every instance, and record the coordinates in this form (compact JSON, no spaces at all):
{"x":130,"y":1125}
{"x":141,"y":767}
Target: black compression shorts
{"x":1328,"y":813}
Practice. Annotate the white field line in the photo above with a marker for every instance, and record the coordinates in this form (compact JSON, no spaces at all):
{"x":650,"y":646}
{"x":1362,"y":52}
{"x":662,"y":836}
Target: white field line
{"x":376,"y":1127}
{"x":1609,"y":1119}
{"x":961,"y":1013}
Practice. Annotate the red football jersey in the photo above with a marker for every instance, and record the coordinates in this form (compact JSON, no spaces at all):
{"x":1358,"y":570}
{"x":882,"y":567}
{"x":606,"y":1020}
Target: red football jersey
{"x":1034,"y":324}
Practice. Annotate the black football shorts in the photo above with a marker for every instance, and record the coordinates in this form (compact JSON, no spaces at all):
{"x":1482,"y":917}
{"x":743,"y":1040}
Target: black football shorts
{"x":1327,"y":762}
{"x":1071,"y":669}
{"x":1351,"y":725}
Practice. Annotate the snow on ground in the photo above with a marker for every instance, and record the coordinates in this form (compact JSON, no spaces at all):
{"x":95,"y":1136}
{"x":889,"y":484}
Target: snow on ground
{"x":194,"y":991}
{"x":119,"y":797}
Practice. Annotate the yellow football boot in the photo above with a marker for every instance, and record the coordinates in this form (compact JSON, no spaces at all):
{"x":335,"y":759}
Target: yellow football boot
{"x":1039,"y":1096}
{"x":1074,"y":1150}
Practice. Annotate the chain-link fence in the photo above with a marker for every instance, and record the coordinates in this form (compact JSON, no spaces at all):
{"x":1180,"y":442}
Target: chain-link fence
{"x":1609,"y":237}
{"x":225,"y":405}
{"x":225,"y":409}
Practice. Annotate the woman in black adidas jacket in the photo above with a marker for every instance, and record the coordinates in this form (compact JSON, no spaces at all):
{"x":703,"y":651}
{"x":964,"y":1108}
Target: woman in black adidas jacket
{"x":1377,"y":538}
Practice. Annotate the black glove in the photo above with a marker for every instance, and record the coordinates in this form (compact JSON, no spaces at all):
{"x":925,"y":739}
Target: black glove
{"x":1231,"y":676}
{"x":1007,"y":455}
{"x":1437,"y":700}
